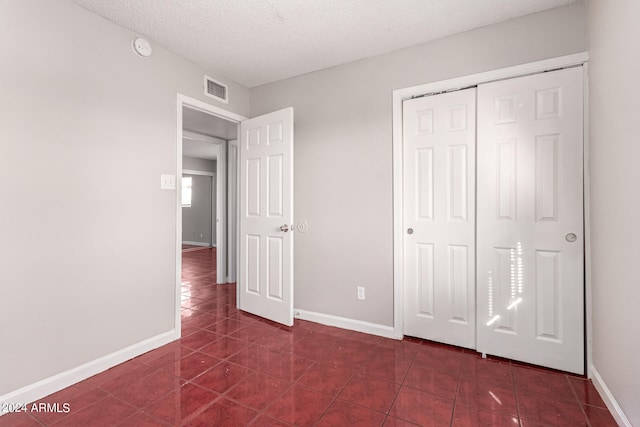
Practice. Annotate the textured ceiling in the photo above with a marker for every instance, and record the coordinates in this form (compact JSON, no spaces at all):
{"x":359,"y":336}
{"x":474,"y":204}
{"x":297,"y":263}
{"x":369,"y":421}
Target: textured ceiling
{"x":260,"y":41}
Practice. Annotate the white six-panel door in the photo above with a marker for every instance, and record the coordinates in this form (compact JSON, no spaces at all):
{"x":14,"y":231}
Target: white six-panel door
{"x":265,"y":241}
{"x":439,"y":217}
{"x":530,"y":237}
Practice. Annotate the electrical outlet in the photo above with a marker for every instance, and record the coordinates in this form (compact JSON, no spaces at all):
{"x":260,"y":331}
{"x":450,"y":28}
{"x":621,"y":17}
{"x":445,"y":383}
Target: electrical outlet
{"x":361,"y":292}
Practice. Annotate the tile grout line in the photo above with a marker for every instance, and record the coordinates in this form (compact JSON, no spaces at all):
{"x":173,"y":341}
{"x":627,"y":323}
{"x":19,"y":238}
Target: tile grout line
{"x":404,"y":378}
{"x":263,"y":411}
{"x":336,"y":396}
{"x":575,"y":396}
{"x":455,"y":395}
{"x":292,"y":385}
{"x":515,"y":393}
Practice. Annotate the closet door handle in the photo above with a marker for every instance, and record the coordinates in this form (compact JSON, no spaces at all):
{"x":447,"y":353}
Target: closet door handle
{"x":409,"y":230}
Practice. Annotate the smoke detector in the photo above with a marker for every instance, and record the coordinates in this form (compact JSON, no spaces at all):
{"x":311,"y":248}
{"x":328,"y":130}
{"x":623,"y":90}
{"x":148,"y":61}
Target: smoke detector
{"x":142,"y":47}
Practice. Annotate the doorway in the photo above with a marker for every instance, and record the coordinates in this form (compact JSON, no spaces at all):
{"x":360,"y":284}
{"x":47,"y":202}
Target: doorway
{"x":204,"y":145}
{"x":263,"y":210}
{"x":200,"y":194}
{"x":204,"y":133}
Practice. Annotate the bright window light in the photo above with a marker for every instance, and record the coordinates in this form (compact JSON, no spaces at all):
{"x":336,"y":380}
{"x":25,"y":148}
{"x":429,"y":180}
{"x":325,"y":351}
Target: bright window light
{"x":187,"y":182}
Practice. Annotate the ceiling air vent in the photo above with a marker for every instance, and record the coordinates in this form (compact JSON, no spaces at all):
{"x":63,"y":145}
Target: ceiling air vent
{"x":216,"y":90}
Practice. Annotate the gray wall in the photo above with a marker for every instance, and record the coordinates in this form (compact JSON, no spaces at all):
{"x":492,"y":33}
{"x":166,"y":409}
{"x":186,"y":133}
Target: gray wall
{"x":87,"y":247}
{"x":614,"y":32}
{"x":196,"y":219}
{"x":203,"y":165}
{"x":343,"y":161}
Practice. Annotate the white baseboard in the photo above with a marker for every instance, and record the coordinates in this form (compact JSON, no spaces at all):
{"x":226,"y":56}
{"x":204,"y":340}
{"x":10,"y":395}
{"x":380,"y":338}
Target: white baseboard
{"x":346,"y":323}
{"x":47,"y":386}
{"x":608,"y":398}
{"x":204,"y":244}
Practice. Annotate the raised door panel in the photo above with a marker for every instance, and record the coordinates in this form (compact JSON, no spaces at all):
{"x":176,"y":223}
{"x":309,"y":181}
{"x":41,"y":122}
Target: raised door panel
{"x":275,"y":187}
{"x":424,"y":184}
{"x":457,"y":185}
{"x":506,"y":190}
{"x":275,"y":267}
{"x":547,"y":177}
{"x":253,"y":188}
{"x":424,"y":279}
{"x":459,"y":284}
{"x":549,"y":298}
{"x":252,"y":264}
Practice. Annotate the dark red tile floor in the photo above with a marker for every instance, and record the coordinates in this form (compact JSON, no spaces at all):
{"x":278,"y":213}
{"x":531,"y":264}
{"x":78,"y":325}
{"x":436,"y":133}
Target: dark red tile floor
{"x":234,"y":369}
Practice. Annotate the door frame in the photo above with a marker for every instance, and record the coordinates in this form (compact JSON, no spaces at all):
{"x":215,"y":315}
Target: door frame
{"x":183,"y":101}
{"x":399,"y":95}
{"x":232,"y":211}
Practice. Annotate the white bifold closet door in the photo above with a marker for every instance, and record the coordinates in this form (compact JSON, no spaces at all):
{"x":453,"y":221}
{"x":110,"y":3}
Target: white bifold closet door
{"x":439,"y":217}
{"x":530,"y":238}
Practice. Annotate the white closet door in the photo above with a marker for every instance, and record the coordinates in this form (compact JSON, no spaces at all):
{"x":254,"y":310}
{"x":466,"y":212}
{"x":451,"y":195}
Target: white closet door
{"x":530,"y":219}
{"x":439,"y":221}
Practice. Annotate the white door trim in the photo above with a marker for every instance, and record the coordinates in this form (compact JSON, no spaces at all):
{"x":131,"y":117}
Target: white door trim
{"x":587,"y":228}
{"x":220,"y":220}
{"x":181,"y":102}
{"x":195,"y":172}
{"x":400,"y":95}
{"x":232,"y":211}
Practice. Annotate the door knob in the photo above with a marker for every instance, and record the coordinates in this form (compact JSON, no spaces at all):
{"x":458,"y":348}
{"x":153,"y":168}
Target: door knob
{"x":409,"y":230}
{"x":570,"y":237}
{"x":284,"y":228}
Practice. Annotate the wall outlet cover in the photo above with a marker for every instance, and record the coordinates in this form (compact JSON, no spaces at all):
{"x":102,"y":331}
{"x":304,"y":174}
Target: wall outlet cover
{"x":167,"y":182}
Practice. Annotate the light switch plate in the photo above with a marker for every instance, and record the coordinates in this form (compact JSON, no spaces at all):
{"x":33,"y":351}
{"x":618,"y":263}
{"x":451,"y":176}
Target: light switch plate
{"x":167,"y":182}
